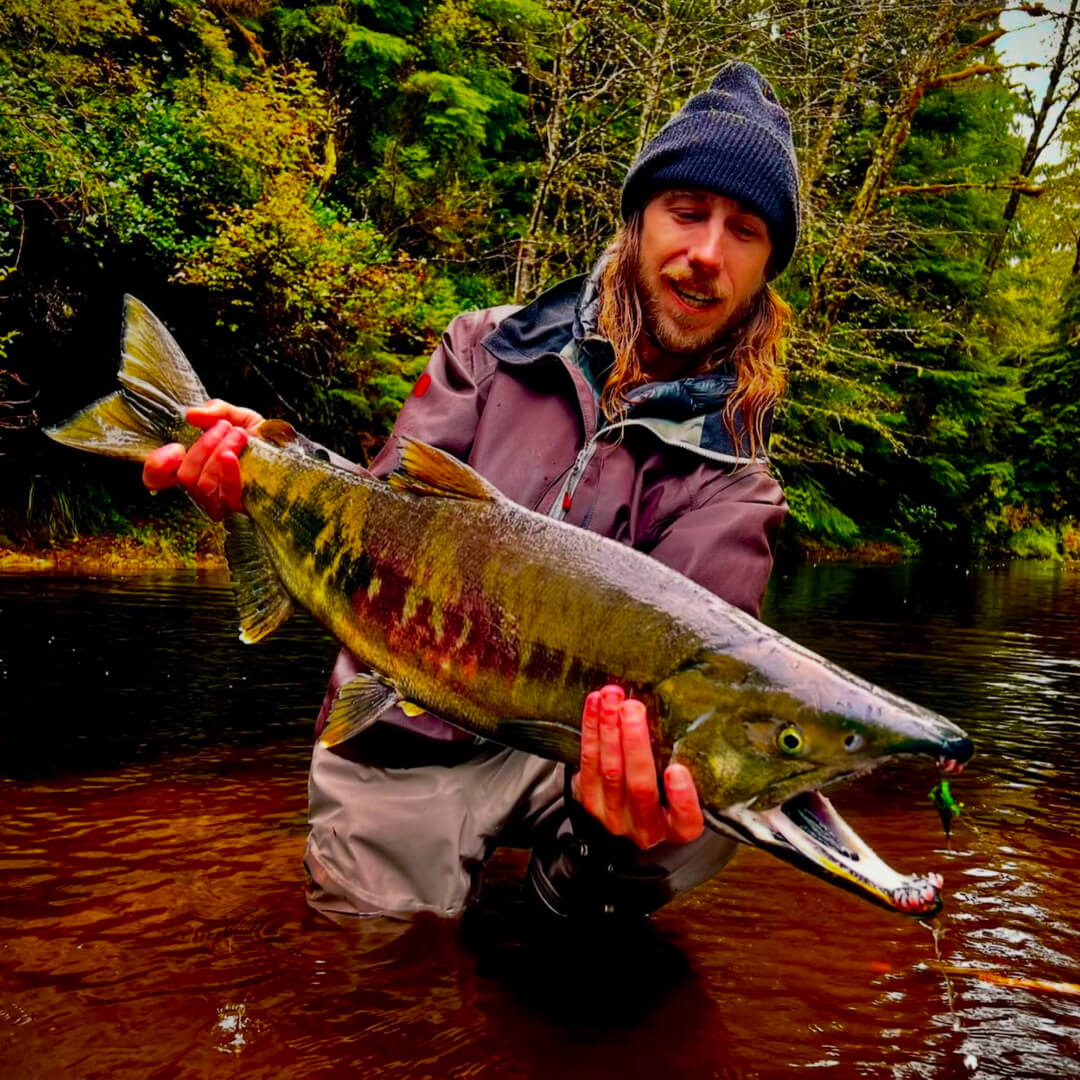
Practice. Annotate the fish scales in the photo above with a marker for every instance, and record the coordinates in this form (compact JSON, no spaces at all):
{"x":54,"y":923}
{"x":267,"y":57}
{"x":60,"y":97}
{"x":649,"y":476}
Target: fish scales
{"x":501,"y":620}
{"x":546,"y":619}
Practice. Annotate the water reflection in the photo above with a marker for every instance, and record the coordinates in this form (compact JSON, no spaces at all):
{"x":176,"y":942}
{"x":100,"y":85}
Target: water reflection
{"x":152,"y":822}
{"x":109,"y":671}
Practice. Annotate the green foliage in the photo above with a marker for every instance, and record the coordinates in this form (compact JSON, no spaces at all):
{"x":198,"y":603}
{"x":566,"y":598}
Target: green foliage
{"x":371,"y":56}
{"x":309,"y":192}
{"x":60,"y":511}
{"x":818,"y":517}
{"x":907,"y":398}
{"x":334,"y":296}
{"x":432,"y":98}
{"x":1048,"y":446}
{"x":921,"y":522}
{"x":1034,"y":543}
{"x":60,"y":508}
{"x":453,"y":111}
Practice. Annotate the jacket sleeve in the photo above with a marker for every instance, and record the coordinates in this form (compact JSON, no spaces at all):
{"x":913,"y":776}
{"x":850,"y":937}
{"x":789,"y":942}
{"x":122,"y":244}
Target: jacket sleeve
{"x":726,"y":541}
{"x":578,"y":870}
{"x":448,"y":398}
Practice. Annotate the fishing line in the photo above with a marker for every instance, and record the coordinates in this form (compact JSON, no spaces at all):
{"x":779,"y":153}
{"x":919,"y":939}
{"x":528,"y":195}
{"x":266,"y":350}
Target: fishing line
{"x":937,"y":933}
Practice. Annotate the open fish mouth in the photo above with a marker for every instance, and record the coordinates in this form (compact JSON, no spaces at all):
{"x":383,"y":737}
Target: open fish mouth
{"x":807,"y":832}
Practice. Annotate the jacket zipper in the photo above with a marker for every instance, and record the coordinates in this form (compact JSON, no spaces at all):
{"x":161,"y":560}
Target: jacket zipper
{"x":565,"y":498}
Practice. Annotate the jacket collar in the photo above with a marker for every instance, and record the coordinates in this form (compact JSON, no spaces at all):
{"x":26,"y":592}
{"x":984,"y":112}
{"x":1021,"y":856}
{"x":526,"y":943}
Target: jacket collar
{"x":559,"y":327}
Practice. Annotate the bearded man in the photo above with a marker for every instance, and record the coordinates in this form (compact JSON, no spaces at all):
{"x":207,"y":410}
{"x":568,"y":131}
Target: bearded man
{"x":635,"y":402}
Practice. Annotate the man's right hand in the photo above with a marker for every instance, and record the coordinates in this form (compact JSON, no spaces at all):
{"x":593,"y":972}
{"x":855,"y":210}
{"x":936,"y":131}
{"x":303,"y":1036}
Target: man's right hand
{"x":210,"y":470}
{"x":617,"y":780}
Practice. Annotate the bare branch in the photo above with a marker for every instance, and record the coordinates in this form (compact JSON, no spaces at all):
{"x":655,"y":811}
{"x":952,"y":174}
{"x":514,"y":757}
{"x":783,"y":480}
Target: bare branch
{"x":1069,"y":102}
{"x":256,"y":50}
{"x":1023,"y":187}
{"x":983,"y":42}
{"x":967,"y":73}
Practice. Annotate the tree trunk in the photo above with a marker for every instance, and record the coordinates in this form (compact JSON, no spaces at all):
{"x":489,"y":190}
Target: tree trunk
{"x":1033,"y":149}
{"x":831,"y":287}
{"x":655,"y":80}
{"x":528,"y":253}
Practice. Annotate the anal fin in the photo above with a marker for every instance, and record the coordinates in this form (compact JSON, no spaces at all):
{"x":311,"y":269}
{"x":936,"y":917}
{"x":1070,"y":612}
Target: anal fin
{"x":359,"y":703}
{"x":261,"y":599}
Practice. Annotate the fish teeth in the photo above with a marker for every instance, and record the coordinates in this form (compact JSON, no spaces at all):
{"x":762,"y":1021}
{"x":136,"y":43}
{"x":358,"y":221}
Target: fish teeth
{"x":920,"y":895}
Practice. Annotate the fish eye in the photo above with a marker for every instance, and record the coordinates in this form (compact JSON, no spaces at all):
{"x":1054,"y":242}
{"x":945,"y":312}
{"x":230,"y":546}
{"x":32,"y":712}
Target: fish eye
{"x":790,"y":739}
{"x":853,"y":741}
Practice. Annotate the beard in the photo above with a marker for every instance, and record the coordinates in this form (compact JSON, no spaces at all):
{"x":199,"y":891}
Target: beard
{"x":679,"y":333}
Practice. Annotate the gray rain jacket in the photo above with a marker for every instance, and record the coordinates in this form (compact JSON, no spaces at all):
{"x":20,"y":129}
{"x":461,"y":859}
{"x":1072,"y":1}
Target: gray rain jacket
{"x":404,"y":816}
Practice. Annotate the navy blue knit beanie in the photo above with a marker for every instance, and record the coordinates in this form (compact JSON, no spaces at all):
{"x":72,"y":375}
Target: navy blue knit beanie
{"x":734,"y":139}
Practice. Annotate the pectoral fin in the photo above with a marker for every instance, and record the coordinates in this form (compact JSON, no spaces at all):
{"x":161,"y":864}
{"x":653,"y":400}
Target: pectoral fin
{"x":544,"y":737}
{"x":261,"y":599}
{"x":359,"y":703}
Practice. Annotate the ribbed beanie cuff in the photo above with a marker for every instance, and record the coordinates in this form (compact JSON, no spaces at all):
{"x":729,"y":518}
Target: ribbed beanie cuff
{"x":735,"y":140}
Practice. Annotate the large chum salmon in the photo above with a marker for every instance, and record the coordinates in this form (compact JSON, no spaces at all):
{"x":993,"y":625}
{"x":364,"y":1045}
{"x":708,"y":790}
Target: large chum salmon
{"x":456,"y":600}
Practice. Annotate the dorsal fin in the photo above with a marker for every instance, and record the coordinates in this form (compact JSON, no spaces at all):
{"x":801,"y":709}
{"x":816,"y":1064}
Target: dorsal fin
{"x":424,"y":470}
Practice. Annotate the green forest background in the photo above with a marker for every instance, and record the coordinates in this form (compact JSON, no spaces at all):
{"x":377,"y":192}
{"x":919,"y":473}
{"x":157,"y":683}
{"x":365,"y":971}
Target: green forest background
{"x":308,"y":192}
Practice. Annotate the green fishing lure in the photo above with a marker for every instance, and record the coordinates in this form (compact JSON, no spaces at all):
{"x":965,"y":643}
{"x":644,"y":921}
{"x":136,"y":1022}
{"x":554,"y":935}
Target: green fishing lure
{"x":947,"y":806}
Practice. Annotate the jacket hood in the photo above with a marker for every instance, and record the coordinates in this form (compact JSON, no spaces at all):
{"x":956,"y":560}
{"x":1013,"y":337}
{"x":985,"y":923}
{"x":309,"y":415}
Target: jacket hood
{"x":559,"y":327}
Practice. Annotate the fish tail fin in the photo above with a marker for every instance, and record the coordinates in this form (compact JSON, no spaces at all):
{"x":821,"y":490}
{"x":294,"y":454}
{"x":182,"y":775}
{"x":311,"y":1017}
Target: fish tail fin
{"x":157,"y":387}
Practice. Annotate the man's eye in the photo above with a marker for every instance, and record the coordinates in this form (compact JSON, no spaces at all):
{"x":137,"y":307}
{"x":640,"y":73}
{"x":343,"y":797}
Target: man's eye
{"x":686,"y":215}
{"x":745,"y":231}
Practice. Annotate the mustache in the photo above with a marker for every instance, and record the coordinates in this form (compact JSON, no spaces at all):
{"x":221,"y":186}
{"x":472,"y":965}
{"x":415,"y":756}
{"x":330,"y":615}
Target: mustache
{"x":691,"y":282}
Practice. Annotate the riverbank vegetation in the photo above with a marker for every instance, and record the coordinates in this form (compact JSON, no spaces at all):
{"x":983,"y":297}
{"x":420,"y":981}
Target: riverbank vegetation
{"x":307,"y":192}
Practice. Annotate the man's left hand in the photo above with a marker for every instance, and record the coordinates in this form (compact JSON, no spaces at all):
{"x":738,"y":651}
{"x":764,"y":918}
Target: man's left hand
{"x":617,"y":782}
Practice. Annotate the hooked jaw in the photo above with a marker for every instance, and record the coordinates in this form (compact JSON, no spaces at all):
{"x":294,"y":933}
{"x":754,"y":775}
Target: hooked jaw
{"x":762,"y":733}
{"x":806,"y":831}
{"x":957,"y":754}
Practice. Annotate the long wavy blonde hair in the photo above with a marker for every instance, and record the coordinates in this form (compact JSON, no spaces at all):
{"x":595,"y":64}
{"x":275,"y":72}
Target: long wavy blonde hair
{"x":751,"y":346}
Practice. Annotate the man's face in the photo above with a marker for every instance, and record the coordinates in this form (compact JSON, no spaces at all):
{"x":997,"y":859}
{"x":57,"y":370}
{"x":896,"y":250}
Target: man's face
{"x":702,"y":259}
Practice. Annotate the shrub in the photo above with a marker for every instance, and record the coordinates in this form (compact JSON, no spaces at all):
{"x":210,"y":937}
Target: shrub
{"x":1034,"y":542}
{"x":1070,"y":539}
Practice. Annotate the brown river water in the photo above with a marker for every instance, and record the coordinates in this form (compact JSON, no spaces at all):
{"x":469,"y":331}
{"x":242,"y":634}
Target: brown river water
{"x":152,"y":921}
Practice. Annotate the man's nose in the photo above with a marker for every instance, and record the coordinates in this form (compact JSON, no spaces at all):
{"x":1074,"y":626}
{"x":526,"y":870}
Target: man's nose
{"x":707,"y":250}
